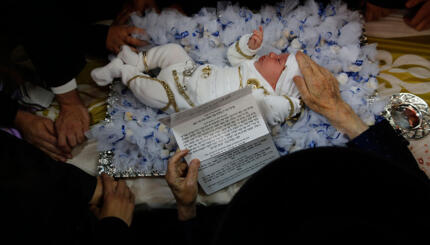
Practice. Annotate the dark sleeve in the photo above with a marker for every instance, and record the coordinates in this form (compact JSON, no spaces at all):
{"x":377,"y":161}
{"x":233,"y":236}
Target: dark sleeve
{"x":112,"y":230}
{"x":9,"y":108}
{"x":383,"y":140}
{"x":40,"y":175}
{"x":96,"y":41}
{"x":190,"y":231}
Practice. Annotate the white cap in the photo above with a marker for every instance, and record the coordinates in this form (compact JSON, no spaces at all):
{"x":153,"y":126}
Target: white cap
{"x":285,"y":84}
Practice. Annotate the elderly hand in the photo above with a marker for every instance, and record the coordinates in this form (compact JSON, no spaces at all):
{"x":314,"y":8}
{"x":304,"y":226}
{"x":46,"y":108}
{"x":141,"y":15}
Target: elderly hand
{"x":40,"y":132}
{"x":119,"y":35}
{"x":421,"y":20}
{"x":182,"y":180}
{"x":72,"y":122}
{"x":256,"y":39}
{"x":320,"y":92}
{"x":118,"y":200}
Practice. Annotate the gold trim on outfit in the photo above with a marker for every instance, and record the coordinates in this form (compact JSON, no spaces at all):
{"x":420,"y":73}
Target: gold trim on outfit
{"x":242,"y":53}
{"x":291,"y":108}
{"x":145,"y":62}
{"x":181,"y":89}
{"x":256,"y":83}
{"x":169,"y":93}
{"x":240,"y":77}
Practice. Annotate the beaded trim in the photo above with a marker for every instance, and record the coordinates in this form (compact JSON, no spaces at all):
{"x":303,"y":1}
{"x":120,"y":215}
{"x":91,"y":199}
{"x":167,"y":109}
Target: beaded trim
{"x":291,"y":108}
{"x":240,"y":77}
{"x":181,"y":89}
{"x":242,"y":53}
{"x":169,"y":93}
{"x":256,"y":83}
{"x":145,"y":62}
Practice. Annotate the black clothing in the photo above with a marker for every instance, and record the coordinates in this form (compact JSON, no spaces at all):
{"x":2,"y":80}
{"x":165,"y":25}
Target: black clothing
{"x":47,"y":200}
{"x":57,"y":35}
{"x":9,"y":109}
{"x":369,"y":192}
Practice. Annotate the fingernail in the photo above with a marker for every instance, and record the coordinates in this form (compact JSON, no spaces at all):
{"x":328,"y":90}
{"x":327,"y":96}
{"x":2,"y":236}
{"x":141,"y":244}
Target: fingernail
{"x":195,"y":161}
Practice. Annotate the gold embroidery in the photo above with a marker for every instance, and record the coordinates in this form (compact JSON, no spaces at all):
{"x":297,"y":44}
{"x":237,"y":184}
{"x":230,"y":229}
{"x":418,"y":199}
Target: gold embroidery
{"x":206,"y":72}
{"x":242,"y":53}
{"x":254,"y":82}
{"x":291,"y":108}
{"x":181,"y":89}
{"x":240,"y":78}
{"x":169,"y":93}
{"x":145,"y":62}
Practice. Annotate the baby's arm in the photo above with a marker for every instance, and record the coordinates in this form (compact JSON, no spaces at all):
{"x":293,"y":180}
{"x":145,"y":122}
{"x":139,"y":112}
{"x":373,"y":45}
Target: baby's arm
{"x":246,"y":48}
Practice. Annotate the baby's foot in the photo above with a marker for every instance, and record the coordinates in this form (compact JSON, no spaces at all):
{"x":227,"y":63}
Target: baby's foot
{"x":129,"y":57}
{"x":106,"y":74}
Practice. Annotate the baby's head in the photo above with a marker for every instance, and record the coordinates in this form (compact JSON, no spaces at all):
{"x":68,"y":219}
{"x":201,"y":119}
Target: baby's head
{"x":271,"y":66}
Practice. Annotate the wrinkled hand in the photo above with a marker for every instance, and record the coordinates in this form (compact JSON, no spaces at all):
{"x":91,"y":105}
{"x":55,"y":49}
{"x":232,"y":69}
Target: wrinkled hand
{"x":182,"y":180}
{"x":421,"y":20}
{"x":256,"y":39}
{"x":40,"y":132}
{"x":72,"y":122}
{"x":118,"y":200}
{"x":374,"y":12}
{"x":320,"y":92}
{"x":119,"y":35}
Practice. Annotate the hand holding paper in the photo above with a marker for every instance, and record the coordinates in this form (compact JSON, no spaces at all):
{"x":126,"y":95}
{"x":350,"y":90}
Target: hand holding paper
{"x":182,"y":180}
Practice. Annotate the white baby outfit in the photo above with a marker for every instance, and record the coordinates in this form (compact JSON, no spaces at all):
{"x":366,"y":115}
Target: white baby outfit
{"x":181,"y":84}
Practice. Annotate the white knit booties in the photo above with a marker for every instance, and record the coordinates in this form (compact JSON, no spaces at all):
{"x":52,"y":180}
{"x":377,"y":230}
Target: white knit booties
{"x":129,"y":57}
{"x":106,"y":74}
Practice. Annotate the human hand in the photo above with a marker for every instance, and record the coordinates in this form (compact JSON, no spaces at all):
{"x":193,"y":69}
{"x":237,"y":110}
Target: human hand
{"x":421,"y":20}
{"x":320,"y":92}
{"x":118,"y":200}
{"x":119,"y":35}
{"x":182,"y":180}
{"x":374,"y":12}
{"x":40,"y":132}
{"x":72,"y":122}
{"x":256,"y":39}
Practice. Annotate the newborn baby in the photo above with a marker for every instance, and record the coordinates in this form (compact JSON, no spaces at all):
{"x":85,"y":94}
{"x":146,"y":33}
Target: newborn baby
{"x":181,"y":84}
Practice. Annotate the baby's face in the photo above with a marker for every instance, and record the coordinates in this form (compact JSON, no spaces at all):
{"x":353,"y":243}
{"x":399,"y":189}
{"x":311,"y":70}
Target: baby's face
{"x":270,"y":66}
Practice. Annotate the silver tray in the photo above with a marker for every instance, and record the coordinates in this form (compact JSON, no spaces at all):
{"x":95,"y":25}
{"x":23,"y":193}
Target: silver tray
{"x":409,"y":114}
{"x":105,"y":159}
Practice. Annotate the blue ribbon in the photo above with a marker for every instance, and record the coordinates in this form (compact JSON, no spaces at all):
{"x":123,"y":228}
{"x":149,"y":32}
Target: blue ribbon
{"x":123,"y":135}
{"x":181,"y":35}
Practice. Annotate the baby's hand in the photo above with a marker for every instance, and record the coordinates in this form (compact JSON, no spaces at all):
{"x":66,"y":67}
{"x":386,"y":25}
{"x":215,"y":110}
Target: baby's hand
{"x":256,"y":39}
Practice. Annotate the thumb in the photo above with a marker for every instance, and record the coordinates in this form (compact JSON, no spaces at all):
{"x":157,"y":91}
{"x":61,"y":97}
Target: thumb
{"x":193,"y":170}
{"x":301,"y":86}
